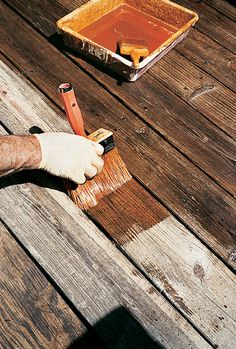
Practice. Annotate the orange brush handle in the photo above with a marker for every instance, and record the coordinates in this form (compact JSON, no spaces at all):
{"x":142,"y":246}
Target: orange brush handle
{"x":72,"y":109}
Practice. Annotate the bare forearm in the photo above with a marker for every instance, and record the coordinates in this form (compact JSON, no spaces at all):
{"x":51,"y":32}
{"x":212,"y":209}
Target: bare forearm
{"x":61,"y":154}
{"x":18,"y":152}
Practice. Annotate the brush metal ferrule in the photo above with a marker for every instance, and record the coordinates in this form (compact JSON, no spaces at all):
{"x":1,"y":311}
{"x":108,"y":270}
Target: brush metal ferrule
{"x":103,"y":137}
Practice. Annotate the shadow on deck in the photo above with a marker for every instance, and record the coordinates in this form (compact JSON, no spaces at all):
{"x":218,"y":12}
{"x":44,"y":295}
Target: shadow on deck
{"x":119,"y":330}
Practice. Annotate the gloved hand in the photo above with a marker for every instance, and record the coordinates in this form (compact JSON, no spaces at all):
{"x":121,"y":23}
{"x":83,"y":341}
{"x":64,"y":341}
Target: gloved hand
{"x":70,"y":156}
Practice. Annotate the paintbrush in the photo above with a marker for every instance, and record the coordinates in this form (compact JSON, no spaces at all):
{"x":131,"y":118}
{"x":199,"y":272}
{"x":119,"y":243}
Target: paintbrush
{"x":114,"y":172}
{"x":72,"y":109}
{"x":135,"y":48}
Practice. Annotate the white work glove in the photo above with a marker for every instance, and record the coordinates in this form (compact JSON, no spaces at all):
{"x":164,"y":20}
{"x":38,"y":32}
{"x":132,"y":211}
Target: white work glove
{"x":70,"y":156}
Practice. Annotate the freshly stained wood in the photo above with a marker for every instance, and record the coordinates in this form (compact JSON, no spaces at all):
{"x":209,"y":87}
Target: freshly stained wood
{"x":214,"y":59}
{"x":196,"y":199}
{"x":205,"y":94}
{"x":166,"y":251}
{"x":89,"y":269}
{"x":178,"y":264}
{"x":213,"y":24}
{"x":33,"y":314}
{"x":198,"y":47}
{"x":205,"y":144}
{"x":225,"y":7}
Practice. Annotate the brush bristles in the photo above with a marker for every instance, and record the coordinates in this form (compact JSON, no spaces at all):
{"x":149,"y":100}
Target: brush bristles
{"x":133,"y":41}
{"x":113,"y":175}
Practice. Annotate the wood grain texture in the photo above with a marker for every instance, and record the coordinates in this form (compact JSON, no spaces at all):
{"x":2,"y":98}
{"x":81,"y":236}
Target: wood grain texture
{"x":209,"y":56}
{"x":222,"y":114}
{"x":225,"y":7}
{"x":89,"y":269}
{"x":33,"y":314}
{"x":177,"y":263}
{"x":197,"y":200}
{"x":202,"y":92}
{"x":164,"y":267}
{"x":137,"y":222}
{"x":200,"y":45}
{"x":162,"y":109}
{"x":213,"y":24}
{"x":197,"y":47}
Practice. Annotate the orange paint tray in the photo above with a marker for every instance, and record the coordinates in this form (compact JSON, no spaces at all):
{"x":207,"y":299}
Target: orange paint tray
{"x":95,"y":28}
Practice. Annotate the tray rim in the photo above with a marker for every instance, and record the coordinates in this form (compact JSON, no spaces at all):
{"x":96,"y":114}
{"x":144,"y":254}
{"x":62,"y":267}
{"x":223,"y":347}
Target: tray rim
{"x":61,"y":29}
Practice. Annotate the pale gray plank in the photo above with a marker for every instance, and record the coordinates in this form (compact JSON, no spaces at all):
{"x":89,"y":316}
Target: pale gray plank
{"x":89,"y":269}
{"x":193,"y":274}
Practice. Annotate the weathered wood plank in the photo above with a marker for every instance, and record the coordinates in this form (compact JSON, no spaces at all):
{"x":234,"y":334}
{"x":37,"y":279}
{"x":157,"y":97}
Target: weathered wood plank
{"x":181,"y":267}
{"x":201,"y":204}
{"x":223,"y":6}
{"x":161,"y":108}
{"x":187,"y":275}
{"x":213,"y":24}
{"x":198,"y":89}
{"x":33,"y":314}
{"x":198,"y":47}
{"x":209,"y":56}
{"x":90,"y":270}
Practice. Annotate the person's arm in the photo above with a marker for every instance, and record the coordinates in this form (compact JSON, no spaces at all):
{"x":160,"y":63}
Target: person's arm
{"x":61,"y":154}
{"x":19,"y":152}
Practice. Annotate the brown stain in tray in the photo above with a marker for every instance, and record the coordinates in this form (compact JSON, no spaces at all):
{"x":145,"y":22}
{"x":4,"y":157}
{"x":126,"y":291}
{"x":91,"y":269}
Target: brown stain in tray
{"x":126,"y":21}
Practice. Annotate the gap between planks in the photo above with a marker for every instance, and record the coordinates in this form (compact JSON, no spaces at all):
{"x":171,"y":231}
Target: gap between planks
{"x":77,"y":255}
{"x":208,"y":165}
{"x":224,"y":7}
{"x":143,"y":133}
{"x":31,"y":302}
{"x":59,"y":198}
{"x":30,"y":18}
{"x":151,"y":266}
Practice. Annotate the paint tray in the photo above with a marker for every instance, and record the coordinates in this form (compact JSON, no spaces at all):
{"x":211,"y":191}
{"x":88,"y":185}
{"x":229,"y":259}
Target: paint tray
{"x":95,"y":28}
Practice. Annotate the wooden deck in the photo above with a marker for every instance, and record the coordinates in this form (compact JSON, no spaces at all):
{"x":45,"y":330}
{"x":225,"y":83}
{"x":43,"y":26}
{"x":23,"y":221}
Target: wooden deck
{"x":153,"y":264}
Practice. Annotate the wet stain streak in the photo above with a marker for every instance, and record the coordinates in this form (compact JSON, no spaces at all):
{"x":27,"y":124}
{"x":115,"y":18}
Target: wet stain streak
{"x":128,"y":212}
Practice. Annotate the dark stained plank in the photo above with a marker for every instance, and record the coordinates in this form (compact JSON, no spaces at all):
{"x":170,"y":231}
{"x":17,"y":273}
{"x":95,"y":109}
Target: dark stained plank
{"x":177,"y":263}
{"x":209,"y":56}
{"x":91,"y":272}
{"x":190,"y":194}
{"x":198,"y":47}
{"x":226,"y":7}
{"x":212,"y":23}
{"x":205,"y":94}
{"x":162,"y":109}
{"x":188,"y":81}
{"x":33,"y":314}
